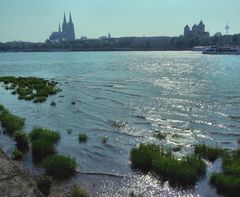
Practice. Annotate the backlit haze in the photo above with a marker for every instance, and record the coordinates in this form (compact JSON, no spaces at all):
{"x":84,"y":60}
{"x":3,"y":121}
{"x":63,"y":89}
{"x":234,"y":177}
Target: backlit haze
{"x":34,"y":20}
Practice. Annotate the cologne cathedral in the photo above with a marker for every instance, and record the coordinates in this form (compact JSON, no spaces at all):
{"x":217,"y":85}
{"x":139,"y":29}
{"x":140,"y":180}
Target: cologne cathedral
{"x":66,"y":32}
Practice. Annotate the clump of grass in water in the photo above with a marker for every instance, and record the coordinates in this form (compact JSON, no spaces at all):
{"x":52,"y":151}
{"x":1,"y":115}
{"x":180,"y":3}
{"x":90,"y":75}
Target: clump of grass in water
{"x":228,"y":181}
{"x":104,"y":139}
{"x":44,"y":184}
{"x":150,"y":157}
{"x":10,"y":122}
{"x":209,"y":153}
{"x":21,"y":139}
{"x":30,"y":88}
{"x":59,"y":166}
{"x":69,"y":131}
{"x":143,"y":156}
{"x":42,"y":148}
{"x":82,"y":138}
{"x":17,"y":154}
{"x":159,"y":135}
{"x":78,"y":191}
{"x":43,"y":143}
{"x":53,"y":103}
{"x":176,"y":149}
{"x":42,"y":133}
{"x":132,"y":194}
{"x":118,"y":124}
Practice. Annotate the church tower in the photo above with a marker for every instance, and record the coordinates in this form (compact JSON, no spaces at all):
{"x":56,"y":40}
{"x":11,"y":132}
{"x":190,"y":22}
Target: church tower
{"x":71,"y":31}
{"x":59,"y":28}
{"x":64,"y":26}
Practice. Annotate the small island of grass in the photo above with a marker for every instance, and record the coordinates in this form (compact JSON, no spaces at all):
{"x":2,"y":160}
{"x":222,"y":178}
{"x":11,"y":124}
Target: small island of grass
{"x":152,"y":158}
{"x":228,"y":181}
{"x":82,"y":138}
{"x":30,"y":88}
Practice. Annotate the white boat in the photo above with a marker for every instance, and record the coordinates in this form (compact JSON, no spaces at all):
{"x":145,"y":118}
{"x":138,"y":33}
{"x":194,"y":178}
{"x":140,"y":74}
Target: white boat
{"x":199,"y":48}
{"x":224,"y":50}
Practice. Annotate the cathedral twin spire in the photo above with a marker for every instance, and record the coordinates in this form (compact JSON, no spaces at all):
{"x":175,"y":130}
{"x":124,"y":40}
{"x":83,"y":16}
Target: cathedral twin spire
{"x":68,"y":28}
{"x":66,"y":32}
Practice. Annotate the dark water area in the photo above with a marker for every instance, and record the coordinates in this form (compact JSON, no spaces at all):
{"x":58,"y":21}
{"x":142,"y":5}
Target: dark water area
{"x":127,"y":96}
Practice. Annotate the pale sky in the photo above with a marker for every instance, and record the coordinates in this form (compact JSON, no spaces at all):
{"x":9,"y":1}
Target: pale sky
{"x":34,"y":20}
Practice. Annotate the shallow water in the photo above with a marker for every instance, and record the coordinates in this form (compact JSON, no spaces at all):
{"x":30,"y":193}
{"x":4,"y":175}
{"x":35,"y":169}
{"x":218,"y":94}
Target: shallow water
{"x":127,"y":96}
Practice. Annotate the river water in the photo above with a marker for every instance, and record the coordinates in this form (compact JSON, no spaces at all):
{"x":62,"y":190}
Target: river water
{"x":127,"y":96}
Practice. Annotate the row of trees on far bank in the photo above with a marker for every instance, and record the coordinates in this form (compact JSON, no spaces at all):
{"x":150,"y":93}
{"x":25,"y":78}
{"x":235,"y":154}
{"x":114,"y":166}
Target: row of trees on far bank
{"x":126,"y":43}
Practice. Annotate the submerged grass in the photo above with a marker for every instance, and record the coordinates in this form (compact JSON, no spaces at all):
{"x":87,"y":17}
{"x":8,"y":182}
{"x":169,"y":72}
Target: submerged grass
{"x":150,"y":157}
{"x":30,"y":88}
{"x":59,"y":166}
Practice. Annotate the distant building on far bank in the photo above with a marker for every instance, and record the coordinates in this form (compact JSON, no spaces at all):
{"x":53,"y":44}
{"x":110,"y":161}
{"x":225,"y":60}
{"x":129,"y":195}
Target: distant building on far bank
{"x":67,"y":31}
{"x":196,"y":31}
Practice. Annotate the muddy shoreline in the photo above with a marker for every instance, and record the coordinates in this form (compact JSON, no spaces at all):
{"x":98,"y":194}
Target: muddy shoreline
{"x":16,"y":180}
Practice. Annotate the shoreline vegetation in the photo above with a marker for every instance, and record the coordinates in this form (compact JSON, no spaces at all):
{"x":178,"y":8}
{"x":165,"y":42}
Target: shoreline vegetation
{"x":43,"y":147}
{"x":30,"y":88}
{"x":157,"y":43}
{"x":186,"y":171}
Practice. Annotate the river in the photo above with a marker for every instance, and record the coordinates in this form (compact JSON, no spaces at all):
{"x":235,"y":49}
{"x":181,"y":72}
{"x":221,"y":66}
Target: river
{"x":127,"y":96}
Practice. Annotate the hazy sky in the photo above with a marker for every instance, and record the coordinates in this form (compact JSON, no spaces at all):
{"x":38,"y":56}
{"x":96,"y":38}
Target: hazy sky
{"x":34,"y":20}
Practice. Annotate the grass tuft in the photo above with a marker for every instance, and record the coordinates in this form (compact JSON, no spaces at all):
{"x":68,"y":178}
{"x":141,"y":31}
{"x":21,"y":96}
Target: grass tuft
{"x":17,"y":154}
{"x":209,"y":153}
{"x":60,"y":167}
{"x":228,"y":181}
{"x":21,"y":139}
{"x":181,"y":172}
{"x":69,"y":131}
{"x":226,"y":184}
{"x":78,"y":191}
{"x":42,"y":148}
{"x":82,"y":138}
{"x":104,"y":139}
{"x":10,"y":122}
{"x":44,"y":184}
{"x":53,"y":103}
{"x":143,"y":156}
{"x":41,"y":133}
{"x":159,"y":135}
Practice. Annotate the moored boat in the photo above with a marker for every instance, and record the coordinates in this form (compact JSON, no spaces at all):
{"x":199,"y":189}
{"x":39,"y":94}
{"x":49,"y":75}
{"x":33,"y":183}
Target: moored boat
{"x":224,"y":50}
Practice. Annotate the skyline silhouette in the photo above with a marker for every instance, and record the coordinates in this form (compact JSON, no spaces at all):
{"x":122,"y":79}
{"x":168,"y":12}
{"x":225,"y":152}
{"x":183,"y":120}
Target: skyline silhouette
{"x":34,"y":21}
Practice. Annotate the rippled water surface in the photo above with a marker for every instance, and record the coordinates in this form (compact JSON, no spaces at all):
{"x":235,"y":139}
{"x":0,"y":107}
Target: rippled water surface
{"x":127,"y":96}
